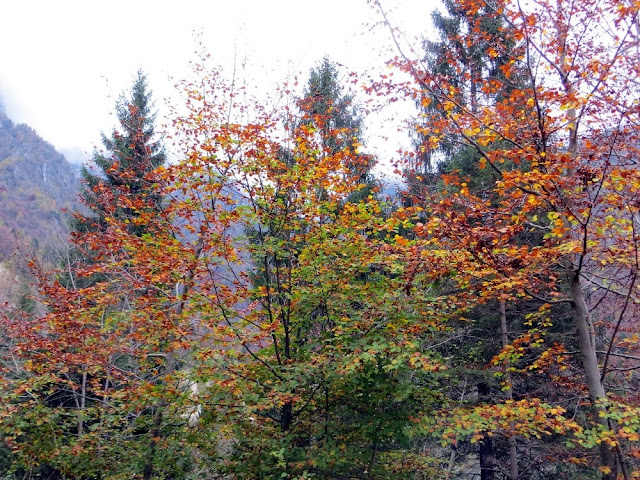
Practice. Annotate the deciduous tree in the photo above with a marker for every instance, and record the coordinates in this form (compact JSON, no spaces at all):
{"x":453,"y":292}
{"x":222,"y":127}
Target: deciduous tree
{"x":572,"y":132}
{"x":292,"y":352}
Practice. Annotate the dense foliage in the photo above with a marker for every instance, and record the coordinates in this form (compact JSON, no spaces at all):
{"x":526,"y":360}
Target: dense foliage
{"x":256,"y":310}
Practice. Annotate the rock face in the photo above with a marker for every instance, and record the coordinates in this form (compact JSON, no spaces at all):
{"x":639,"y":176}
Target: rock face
{"x":36,"y":183}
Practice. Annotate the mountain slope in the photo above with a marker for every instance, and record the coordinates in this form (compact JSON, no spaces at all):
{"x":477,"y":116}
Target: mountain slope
{"x":36,"y":183}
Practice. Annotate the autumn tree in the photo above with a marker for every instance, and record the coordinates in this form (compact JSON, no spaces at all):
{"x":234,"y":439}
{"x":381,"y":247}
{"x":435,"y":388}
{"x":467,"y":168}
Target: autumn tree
{"x":299,"y":354}
{"x":463,"y":53}
{"x":86,"y":365}
{"x":573,"y":134}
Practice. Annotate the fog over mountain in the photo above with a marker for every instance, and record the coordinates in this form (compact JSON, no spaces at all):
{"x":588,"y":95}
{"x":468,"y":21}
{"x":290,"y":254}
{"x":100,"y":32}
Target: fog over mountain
{"x":76,"y":156}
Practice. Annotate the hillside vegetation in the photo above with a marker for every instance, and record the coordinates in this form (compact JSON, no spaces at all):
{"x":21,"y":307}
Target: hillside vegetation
{"x":36,"y":183}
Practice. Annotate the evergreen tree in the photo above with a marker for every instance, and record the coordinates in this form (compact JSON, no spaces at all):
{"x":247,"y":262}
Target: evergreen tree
{"x":466,"y":66}
{"x":116,"y":184}
{"x":340,"y":124}
{"x":130,"y":153}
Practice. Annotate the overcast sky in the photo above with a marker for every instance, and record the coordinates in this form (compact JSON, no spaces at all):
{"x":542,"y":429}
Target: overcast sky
{"x":63,"y":63}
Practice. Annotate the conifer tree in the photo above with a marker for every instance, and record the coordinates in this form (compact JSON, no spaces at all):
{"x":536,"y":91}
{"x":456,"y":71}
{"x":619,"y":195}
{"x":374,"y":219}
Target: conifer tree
{"x":333,"y":113}
{"x":464,"y":66}
{"x":130,"y":153}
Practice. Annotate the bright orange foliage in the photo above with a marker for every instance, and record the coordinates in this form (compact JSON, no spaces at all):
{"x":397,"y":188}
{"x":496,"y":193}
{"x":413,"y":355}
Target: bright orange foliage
{"x":559,"y":129}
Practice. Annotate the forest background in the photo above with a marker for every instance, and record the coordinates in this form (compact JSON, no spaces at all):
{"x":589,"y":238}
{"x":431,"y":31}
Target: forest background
{"x":260,"y":309}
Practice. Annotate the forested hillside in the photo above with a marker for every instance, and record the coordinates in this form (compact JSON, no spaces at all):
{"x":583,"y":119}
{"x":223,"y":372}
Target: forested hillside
{"x":257,"y":309}
{"x":36,"y":182}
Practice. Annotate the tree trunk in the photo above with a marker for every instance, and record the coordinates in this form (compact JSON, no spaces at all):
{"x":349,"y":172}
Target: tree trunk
{"x":485,"y":452}
{"x":486,"y":459}
{"x":513,"y":446}
{"x":158,"y":415}
{"x":595,"y":387}
{"x":286,"y":417}
{"x":147,"y":472}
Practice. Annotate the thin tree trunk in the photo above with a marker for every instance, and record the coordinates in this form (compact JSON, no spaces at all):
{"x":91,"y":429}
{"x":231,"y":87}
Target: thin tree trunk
{"x":83,"y":400}
{"x":374,"y":457}
{"x":286,"y":416}
{"x":486,"y":459}
{"x":595,"y":387}
{"x":485,"y":452}
{"x":158,"y":415}
{"x":475,"y":81}
{"x":513,"y":445}
{"x":147,"y":472}
{"x":452,"y":461}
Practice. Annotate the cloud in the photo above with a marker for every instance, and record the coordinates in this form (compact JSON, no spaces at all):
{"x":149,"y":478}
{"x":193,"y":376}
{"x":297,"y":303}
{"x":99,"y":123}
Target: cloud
{"x":75,"y":155}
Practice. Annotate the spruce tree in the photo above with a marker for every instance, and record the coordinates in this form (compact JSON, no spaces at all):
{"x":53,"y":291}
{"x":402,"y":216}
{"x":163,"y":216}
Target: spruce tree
{"x":117,"y":172}
{"x":131,"y":152}
{"x":326,"y":107}
{"x":465,"y":66}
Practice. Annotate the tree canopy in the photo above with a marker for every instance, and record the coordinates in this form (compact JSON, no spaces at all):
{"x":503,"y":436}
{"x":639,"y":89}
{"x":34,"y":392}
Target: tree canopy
{"x":254,"y":314}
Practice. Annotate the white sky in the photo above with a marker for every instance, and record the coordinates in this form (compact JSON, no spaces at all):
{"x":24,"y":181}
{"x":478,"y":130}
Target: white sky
{"x":63,"y":63}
